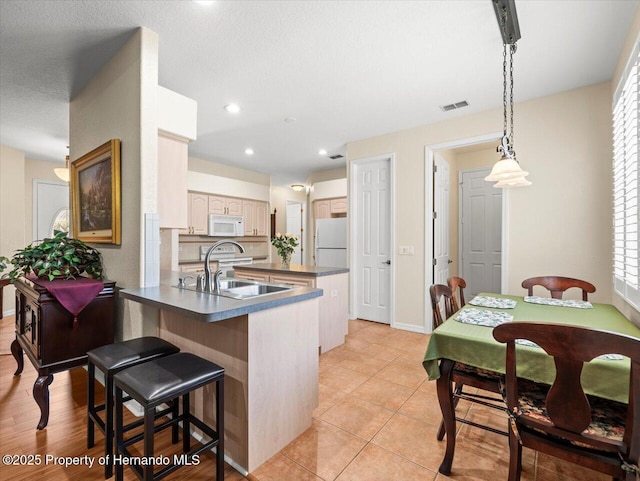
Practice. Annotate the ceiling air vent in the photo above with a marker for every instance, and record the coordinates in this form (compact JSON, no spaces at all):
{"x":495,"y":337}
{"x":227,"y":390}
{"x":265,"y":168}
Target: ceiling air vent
{"x":336,"y":157}
{"x":457,"y":105}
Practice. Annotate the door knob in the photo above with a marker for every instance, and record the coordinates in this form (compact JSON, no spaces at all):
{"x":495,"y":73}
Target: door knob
{"x":449,"y":261}
{"x":387,"y":262}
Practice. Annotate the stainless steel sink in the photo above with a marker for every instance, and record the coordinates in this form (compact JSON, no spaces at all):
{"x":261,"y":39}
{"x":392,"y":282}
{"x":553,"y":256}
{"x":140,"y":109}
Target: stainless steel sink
{"x":243,"y":289}
{"x":254,"y":290}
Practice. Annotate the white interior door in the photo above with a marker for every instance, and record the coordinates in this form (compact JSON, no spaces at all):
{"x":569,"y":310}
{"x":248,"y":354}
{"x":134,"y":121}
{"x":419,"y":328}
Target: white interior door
{"x":50,"y":208}
{"x":480,"y":233}
{"x":373,"y":240}
{"x":293,"y":223}
{"x":441,"y":259}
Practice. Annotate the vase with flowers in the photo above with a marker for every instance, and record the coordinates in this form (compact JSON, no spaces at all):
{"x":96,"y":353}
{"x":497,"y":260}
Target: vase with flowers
{"x":285,"y":244}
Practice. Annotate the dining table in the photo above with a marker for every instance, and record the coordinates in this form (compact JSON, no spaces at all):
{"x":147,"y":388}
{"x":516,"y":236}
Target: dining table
{"x":467,"y":337}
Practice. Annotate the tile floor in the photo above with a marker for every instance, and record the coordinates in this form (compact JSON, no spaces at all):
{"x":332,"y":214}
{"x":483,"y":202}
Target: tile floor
{"x":377,"y":421}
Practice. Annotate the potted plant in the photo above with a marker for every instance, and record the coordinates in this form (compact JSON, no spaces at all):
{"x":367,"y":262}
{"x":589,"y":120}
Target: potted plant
{"x":285,"y":245}
{"x":3,"y":266}
{"x":57,"y":257}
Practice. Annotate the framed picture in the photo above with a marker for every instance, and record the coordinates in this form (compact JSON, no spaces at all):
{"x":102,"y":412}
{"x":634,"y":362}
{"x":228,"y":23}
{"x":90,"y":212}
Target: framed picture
{"x":95,"y":194}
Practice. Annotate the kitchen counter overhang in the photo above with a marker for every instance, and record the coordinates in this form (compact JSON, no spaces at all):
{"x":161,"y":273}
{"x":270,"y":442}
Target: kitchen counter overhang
{"x":209,"y":307}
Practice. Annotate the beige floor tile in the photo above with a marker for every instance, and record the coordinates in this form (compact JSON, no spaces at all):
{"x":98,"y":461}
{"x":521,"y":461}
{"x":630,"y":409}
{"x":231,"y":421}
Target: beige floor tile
{"x":357,"y":324}
{"x":324,"y":449}
{"x":341,"y":379}
{"x":423,"y":406}
{"x":281,"y":468}
{"x":383,"y":393}
{"x":365,"y":364}
{"x":372,"y":335}
{"x":357,"y":416}
{"x":377,"y":464}
{"x":328,"y":397}
{"x":403,"y":372}
{"x":413,"y":440}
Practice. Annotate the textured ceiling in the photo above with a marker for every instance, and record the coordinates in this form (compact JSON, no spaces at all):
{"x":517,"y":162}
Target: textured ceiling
{"x":346,"y":70}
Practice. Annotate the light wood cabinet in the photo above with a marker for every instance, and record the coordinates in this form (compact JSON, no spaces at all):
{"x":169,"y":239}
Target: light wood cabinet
{"x":327,"y":208}
{"x":322,"y":209}
{"x":197,"y":267}
{"x":292,"y":280}
{"x":197,"y":212}
{"x":251,"y":276}
{"x":220,"y":205}
{"x":254,"y":215}
{"x":172,"y":182}
{"x":333,"y":306}
{"x":339,"y":206}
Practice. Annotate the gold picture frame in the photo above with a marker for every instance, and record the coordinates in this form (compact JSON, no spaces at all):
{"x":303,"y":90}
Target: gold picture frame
{"x":95,"y":194}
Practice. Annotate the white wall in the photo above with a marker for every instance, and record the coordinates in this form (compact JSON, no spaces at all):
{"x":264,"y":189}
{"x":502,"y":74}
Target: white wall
{"x":121,"y":102}
{"x":12,"y":212}
{"x":560,"y":225}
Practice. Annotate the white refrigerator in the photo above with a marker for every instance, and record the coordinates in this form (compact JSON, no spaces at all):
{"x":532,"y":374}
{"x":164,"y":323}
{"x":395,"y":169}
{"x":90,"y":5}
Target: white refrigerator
{"x":331,"y":242}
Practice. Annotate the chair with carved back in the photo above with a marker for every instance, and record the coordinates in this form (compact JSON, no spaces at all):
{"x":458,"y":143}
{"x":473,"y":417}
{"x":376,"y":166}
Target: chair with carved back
{"x":457,"y":284}
{"x":463,"y":374}
{"x":561,"y":420}
{"x":557,"y":285}
{"x":438,"y":292}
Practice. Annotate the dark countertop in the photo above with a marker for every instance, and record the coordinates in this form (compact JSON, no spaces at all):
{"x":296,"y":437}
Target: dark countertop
{"x":295,"y":269}
{"x":208,"y":307}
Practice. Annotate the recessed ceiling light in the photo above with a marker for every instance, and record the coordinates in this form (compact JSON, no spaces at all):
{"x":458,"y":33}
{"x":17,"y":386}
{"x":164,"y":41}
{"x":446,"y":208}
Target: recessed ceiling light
{"x":322,"y":152}
{"x":206,"y":3}
{"x":248,"y":151}
{"x":290,"y":120}
{"x":232,"y":108}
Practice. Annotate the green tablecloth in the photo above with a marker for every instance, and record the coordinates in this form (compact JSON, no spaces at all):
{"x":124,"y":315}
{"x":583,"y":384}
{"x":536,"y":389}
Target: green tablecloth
{"x":475,"y":345}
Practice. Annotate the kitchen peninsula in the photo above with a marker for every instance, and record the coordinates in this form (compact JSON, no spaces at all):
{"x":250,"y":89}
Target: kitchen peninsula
{"x":333,"y":305}
{"x":268,"y":347}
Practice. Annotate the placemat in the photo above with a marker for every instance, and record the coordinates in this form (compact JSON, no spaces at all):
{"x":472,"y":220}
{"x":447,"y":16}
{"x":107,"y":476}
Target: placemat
{"x":558,"y":302}
{"x":482,"y":317}
{"x":494,"y":302}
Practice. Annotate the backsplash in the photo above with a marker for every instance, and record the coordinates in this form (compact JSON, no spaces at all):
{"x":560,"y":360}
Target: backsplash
{"x":189,"y":247}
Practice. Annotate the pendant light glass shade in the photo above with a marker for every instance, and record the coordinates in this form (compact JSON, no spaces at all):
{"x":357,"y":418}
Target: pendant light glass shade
{"x":515,"y":182}
{"x":63,"y":172}
{"x":506,"y":168}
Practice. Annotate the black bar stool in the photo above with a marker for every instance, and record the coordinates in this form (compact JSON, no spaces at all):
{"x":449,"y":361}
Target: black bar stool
{"x":160,"y":381}
{"x":111,"y":359}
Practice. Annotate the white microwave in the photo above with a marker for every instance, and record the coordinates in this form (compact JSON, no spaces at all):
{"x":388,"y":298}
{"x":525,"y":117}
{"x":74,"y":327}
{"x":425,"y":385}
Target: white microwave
{"x":225,"y":226}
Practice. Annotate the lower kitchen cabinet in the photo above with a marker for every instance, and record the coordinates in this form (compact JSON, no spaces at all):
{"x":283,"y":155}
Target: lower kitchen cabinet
{"x":333,"y":305}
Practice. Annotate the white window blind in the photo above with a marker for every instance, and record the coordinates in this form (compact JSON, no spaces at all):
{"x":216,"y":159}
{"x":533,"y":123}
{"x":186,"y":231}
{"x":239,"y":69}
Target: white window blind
{"x":626,"y":130}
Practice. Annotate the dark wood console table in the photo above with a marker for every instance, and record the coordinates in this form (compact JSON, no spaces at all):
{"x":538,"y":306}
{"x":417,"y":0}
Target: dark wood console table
{"x":45,"y":331}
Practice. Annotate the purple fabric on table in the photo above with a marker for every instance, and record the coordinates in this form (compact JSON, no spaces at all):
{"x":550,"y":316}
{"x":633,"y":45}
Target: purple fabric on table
{"x":73,"y":294}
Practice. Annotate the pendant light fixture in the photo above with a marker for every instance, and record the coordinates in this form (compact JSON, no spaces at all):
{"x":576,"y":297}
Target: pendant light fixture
{"x":63,"y":172}
{"x":507,"y":172}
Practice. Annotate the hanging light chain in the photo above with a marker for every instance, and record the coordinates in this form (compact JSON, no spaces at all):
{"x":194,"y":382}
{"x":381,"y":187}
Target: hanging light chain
{"x":504,"y":87}
{"x":512,"y":51}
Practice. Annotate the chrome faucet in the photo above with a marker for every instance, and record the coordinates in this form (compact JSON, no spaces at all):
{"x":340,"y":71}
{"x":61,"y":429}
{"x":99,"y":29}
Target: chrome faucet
{"x":215,"y":288}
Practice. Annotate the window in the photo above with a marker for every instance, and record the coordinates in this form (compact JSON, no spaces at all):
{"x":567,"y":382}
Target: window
{"x":626,"y":276}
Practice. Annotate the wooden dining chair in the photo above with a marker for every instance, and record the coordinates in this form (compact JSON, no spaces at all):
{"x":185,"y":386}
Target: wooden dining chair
{"x":463,"y":374}
{"x":561,"y":420}
{"x":457,"y":284}
{"x":438,"y":292}
{"x":557,"y":285}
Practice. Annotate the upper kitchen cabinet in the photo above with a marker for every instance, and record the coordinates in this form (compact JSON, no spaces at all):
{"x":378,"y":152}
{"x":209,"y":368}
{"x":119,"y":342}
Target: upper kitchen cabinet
{"x":198,"y":212}
{"x":254,"y":214}
{"x":172,"y":182}
{"x":177,"y":117}
{"x":327,"y":208}
{"x":220,"y":205}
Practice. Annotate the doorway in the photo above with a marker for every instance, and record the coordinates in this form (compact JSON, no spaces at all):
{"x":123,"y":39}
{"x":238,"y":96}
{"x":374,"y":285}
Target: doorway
{"x":294,"y":224}
{"x":480,"y":231}
{"x":371,"y":239}
{"x":50,"y":208}
{"x":457,"y":154}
